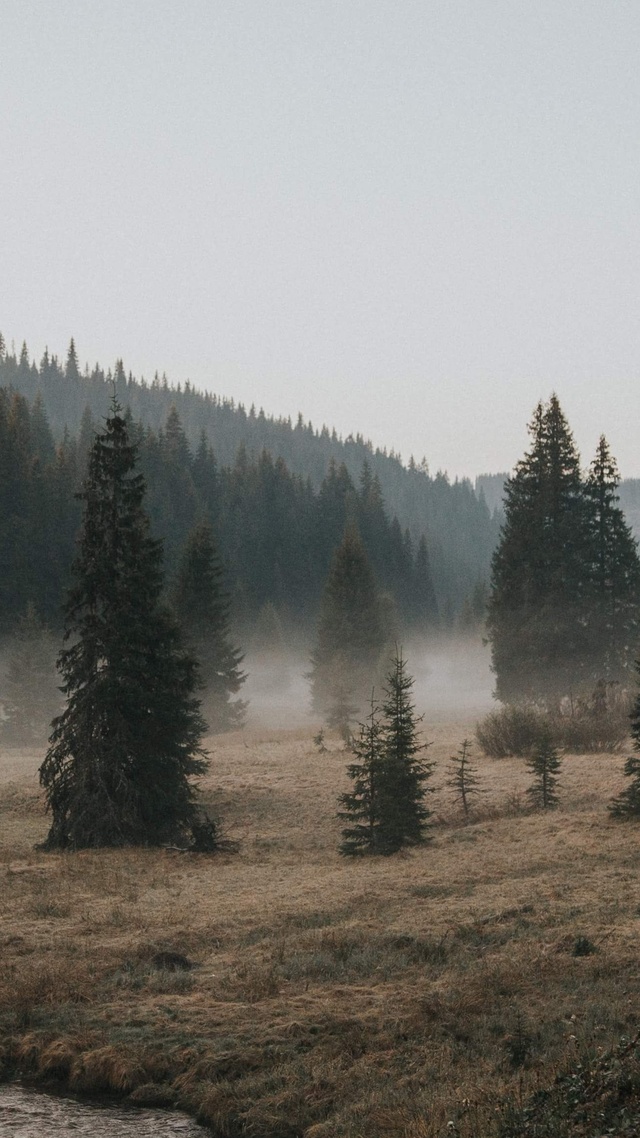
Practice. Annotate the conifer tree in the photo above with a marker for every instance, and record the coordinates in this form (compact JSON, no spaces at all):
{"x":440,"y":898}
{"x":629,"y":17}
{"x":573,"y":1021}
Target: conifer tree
{"x":117,"y":771}
{"x":361,"y":805}
{"x":32,"y":696}
{"x":538,"y":606}
{"x":614,"y":617}
{"x":72,"y":370}
{"x":627,"y":804}
{"x":545,"y":763}
{"x":403,"y":814}
{"x":351,"y":635}
{"x":202,"y":608}
{"x":464,"y":777}
{"x":43,"y":445}
{"x":425,"y":608}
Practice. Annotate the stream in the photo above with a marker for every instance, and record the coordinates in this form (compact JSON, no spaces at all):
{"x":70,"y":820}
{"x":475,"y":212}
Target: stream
{"x":32,"y":1114}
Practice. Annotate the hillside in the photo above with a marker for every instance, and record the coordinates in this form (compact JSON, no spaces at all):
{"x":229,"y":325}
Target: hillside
{"x":460,"y":531}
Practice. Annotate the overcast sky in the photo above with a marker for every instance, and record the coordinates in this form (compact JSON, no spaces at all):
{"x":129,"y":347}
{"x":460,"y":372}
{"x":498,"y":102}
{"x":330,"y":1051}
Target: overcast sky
{"x":408,"y":218}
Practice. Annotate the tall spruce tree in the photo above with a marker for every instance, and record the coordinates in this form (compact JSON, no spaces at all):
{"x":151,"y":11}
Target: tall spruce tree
{"x":539,"y":602}
{"x":404,"y":773}
{"x":351,"y":635}
{"x":121,"y":754}
{"x":614,"y":610}
{"x":202,"y":608}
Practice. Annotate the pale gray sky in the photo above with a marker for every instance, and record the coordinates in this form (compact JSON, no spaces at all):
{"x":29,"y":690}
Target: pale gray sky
{"x":409,"y":218}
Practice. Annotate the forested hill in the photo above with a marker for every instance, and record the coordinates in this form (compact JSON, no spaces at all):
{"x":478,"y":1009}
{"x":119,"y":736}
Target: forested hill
{"x":460,"y":530}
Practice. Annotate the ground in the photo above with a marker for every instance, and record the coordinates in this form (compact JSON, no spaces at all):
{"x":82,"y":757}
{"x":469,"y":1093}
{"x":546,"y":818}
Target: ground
{"x":412,"y":996}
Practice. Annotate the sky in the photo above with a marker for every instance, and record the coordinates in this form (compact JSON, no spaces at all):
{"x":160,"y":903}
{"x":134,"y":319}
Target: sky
{"x":406,"y":218}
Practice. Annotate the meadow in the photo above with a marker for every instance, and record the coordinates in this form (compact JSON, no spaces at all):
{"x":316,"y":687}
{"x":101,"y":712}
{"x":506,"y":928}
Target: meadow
{"x":283,"y":991}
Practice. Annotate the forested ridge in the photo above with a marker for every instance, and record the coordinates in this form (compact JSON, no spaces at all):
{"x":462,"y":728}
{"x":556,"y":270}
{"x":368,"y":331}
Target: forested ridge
{"x":265,"y":452}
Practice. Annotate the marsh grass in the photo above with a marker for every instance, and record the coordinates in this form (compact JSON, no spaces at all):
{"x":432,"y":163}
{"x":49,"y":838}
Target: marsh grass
{"x":326,"y":1000}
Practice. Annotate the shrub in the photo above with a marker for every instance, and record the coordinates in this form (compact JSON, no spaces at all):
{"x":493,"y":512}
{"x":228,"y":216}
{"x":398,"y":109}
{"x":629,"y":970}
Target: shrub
{"x":514,"y":730}
{"x":586,"y":725}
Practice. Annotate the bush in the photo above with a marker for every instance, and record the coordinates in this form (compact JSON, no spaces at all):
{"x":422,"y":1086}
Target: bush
{"x":590,"y":724}
{"x":513,"y":730}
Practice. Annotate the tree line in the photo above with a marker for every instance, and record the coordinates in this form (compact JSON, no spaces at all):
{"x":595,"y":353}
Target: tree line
{"x":460,"y":531}
{"x":274,"y":533}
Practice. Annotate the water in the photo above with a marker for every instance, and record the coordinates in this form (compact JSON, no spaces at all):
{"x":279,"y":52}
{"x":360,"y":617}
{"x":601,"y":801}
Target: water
{"x":32,"y":1114}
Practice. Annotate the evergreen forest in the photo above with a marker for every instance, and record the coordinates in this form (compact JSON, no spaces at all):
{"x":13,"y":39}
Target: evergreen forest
{"x":277,"y":493}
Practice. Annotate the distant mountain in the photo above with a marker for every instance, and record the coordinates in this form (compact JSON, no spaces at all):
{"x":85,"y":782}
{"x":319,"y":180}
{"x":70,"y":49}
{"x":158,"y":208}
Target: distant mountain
{"x":460,"y":530}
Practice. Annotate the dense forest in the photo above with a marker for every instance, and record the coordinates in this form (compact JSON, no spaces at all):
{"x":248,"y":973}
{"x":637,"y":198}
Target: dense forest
{"x":275,"y":532}
{"x":271,"y":459}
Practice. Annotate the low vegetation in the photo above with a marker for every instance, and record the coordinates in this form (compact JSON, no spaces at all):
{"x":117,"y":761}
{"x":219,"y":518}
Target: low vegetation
{"x":517,"y":729}
{"x":286,"y":991}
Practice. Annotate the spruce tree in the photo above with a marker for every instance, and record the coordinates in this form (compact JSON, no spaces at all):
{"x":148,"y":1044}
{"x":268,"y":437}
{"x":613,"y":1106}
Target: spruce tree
{"x":464,"y":777}
{"x":539,"y":601}
{"x":425,"y":607}
{"x":544,"y":763}
{"x":361,"y":805}
{"x":72,"y":370}
{"x":614,"y":609}
{"x":403,"y":814}
{"x":117,"y":771}
{"x":351,"y":634}
{"x":31,"y":697}
{"x":202,"y":608}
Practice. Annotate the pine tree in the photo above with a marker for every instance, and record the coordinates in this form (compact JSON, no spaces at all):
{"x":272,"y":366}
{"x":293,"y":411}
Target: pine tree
{"x":121,"y":753}
{"x":361,"y":805}
{"x":403,"y":815}
{"x":351,"y":635}
{"x":614,"y":618}
{"x":32,"y":696}
{"x":545,"y":763}
{"x":464,"y":780}
{"x":72,"y":370}
{"x":425,"y":607}
{"x":202,"y":608}
{"x":538,"y":607}
{"x":42,"y":439}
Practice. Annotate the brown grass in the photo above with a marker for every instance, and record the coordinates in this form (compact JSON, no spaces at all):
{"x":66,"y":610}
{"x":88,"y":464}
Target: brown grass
{"x":328,"y":998}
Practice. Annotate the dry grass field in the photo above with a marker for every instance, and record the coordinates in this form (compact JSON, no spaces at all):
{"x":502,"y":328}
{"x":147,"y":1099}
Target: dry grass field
{"x":407,"y":997}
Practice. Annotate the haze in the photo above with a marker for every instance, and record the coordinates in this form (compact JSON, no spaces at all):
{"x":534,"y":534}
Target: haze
{"x":408,"y":220}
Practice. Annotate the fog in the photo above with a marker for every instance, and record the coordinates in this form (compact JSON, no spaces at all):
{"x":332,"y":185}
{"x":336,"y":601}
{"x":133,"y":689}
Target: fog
{"x":452,"y":680}
{"x":452,"y":676}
